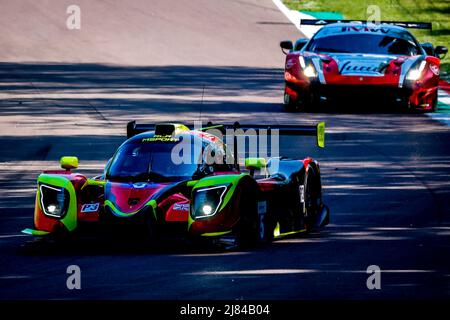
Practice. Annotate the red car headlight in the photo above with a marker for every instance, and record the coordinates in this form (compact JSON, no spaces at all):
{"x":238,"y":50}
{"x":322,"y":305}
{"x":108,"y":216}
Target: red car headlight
{"x":416,"y":71}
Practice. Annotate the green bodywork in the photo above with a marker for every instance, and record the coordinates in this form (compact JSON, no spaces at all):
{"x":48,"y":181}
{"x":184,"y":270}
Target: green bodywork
{"x":277,"y":234}
{"x":33,"y":232}
{"x":151,"y":203}
{"x":69,"y":162}
{"x":321,"y":134}
{"x":255,"y":163}
{"x":216,"y":234}
{"x":95,"y":182}
{"x":231,"y":180}
{"x":70,"y":219}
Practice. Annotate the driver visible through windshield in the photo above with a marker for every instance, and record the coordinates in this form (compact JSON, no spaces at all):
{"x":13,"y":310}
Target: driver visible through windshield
{"x":137,"y":161}
{"x":335,"y":41}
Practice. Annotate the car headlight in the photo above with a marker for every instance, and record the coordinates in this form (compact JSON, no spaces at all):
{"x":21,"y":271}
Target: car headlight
{"x":54,"y":200}
{"x":415,"y":72}
{"x":310,"y":71}
{"x":301,"y":60}
{"x":307,"y":68}
{"x":207,"y":201}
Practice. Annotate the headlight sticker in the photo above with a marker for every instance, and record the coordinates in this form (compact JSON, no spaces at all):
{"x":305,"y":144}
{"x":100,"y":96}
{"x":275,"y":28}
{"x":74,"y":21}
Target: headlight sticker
{"x":434,"y":68}
{"x":205,"y":206}
{"x":54,"y":200}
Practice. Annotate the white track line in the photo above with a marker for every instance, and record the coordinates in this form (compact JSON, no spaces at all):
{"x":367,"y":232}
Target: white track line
{"x":295,"y":16}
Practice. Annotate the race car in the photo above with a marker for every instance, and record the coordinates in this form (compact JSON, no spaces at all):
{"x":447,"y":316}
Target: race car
{"x":355,"y":62}
{"x":161,"y":181}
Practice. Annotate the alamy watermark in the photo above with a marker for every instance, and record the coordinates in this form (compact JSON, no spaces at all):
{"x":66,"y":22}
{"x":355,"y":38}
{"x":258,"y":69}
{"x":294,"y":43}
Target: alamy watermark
{"x":373,"y":14}
{"x":74,"y":279}
{"x":73,"y":21}
{"x":374,"y":280}
{"x":254,"y":143}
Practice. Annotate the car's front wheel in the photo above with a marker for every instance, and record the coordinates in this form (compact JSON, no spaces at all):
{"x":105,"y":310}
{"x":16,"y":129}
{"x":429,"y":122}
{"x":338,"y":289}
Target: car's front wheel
{"x":253,"y":227}
{"x":151,"y":234}
{"x":289,"y":104}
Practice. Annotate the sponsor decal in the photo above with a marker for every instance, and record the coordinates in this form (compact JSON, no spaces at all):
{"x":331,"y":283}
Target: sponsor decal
{"x":90,"y":207}
{"x":353,"y":66}
{"x":365,"y":29}
{"x":181,"y":206}
{"x":262,"y":207}
{"x":262,"y":210}
{"x":290,"y":63}
{"x":301,"y":190}
{"x":158,"y":138}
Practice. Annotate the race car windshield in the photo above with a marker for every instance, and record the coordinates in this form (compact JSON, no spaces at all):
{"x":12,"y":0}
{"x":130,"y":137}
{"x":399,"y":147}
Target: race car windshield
{"x":363,"y":43}
{"x":150,"y":161}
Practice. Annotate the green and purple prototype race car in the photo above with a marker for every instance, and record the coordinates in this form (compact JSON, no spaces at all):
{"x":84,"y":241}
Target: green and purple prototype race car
{"x":171,"y":179}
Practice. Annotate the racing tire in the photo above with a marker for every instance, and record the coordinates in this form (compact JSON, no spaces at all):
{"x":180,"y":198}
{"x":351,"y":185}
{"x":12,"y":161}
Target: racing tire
{"x":310,"y":103}
{"x":433,"y":104}
{"x":288,"y":104}
{"x":311,"y":198}
{"x":252,"y":228}
{"x":151,"y":234}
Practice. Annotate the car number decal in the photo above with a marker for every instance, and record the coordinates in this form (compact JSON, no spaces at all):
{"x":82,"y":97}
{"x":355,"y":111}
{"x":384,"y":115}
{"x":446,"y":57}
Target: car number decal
{"x":301,"y":190}
{"x":90,"y":207}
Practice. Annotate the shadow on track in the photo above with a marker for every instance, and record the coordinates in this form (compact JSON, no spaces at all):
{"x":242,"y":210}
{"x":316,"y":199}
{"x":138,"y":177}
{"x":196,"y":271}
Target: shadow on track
{"x":94,"y":244}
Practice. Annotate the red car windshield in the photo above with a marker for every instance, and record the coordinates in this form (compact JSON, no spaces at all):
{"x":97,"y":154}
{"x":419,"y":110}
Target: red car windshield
{"x":365,"y":43}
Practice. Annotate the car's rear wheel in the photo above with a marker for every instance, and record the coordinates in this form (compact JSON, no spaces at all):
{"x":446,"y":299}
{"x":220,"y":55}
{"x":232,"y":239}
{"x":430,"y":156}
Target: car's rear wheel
{"x":311,"y":198}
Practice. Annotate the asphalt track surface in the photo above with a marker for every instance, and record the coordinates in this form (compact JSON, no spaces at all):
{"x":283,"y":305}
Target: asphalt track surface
{"x":63,"y":92}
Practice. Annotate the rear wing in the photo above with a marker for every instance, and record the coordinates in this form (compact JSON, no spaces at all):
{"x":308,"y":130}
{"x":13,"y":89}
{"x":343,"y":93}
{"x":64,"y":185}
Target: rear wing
{"x":317,"y":130}
{"x":404,"y":24}
{"x":162,"y":129}
{"x":134,"y":128}
{"x":165,"y":129}
{"x":288,"y":130}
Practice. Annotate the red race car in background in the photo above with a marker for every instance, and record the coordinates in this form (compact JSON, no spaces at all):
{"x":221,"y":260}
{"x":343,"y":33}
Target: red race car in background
{"x":356,"y":61}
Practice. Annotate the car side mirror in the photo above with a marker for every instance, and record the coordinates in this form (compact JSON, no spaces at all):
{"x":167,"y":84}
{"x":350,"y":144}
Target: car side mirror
{"x":69,"y":163}
{"x":440,"y":51}
{"x":428,"y":47}
{"x":286,"y":45}
{"x":300,"y":43}
{"x":253,"y":164}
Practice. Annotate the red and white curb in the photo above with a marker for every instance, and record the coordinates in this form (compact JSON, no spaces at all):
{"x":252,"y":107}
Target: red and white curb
{"x":443,"y":114}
